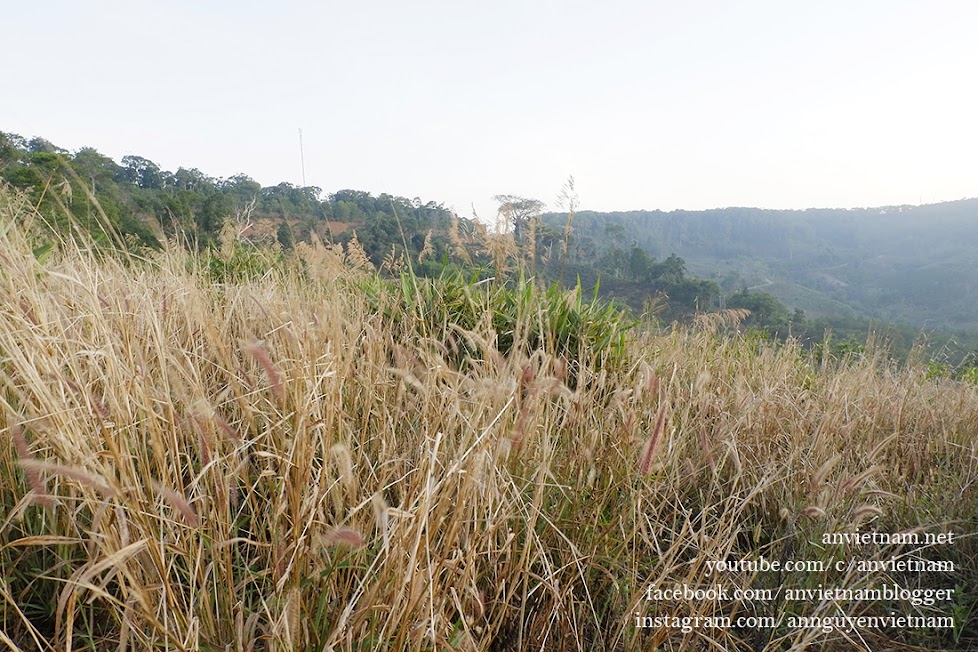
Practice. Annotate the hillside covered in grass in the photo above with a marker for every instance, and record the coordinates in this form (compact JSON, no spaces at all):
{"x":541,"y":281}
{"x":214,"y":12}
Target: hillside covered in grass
{"x":319,"y":457}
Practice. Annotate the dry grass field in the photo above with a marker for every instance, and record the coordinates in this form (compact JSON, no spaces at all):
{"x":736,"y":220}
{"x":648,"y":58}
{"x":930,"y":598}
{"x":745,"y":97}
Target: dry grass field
{"x":314,"y":458}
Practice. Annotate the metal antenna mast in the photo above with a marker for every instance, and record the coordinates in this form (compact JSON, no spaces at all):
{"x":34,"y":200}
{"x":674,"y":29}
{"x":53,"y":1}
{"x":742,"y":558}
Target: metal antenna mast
{"x":302,"y":159}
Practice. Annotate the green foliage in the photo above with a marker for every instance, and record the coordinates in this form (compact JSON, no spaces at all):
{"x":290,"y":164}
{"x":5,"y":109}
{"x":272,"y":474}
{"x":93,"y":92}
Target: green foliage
{"x":285,"y":236}
{"x":636,"y":278}
{"x":969,"y":374}
{"x":43,"y":252}
{"x":242,"y":261}
{"x":937,"y":370}
{"x":455,"y":309}
{"x":766,"y":311}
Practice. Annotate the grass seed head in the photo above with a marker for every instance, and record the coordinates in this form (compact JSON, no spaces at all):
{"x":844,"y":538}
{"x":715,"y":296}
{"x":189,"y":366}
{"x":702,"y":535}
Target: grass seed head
{"x":653,"y":442}
{"x":179,"y":503}
{"x":260,"y":355}
{"x":344,"y":536}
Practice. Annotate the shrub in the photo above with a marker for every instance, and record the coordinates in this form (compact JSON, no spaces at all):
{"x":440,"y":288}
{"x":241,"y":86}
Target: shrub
{"x":517,"y":316}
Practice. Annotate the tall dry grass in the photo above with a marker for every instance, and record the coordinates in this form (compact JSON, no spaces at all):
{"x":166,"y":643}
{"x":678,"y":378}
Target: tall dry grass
{"x":277,"y":464}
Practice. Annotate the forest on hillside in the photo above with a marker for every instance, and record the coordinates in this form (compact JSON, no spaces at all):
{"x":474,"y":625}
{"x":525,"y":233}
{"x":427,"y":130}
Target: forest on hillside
{"x":145,"y":204}
{"x":807,"y":275}
{"x":901,"y":264}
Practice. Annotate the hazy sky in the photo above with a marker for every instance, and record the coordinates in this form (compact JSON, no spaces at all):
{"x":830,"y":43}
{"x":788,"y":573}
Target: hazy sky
{"x":648,"y":104}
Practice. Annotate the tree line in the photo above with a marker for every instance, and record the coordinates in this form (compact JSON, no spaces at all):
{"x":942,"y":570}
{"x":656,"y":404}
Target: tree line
{"x":141,"y":203}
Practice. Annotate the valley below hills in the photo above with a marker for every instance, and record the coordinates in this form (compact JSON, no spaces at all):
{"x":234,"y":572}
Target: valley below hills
{"x":915,"y":265}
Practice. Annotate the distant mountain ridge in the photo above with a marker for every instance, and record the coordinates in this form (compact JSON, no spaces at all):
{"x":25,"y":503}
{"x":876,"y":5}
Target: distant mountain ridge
{"x":910,"y":264}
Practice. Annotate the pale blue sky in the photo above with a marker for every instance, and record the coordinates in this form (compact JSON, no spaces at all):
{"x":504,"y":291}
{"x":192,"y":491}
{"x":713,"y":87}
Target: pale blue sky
{"x":648,"y":104}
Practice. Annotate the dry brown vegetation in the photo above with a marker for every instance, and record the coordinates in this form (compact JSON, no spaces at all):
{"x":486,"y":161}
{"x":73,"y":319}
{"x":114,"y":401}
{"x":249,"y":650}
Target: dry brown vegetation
{"x":292,"y":463}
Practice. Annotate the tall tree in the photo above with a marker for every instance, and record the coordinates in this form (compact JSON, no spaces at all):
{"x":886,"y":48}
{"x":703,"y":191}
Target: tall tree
{"x":518,"y":211}
{"x":142,"y":172}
